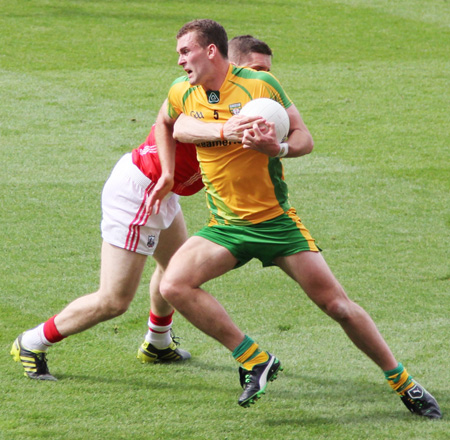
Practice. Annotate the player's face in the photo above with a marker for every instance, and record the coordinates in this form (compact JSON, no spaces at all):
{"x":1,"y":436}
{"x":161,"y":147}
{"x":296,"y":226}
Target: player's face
{"x":192,"y":58}
{"x":258,"y":61}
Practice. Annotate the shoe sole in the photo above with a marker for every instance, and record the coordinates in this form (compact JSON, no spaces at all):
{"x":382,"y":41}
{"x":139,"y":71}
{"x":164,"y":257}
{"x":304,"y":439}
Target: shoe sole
{"x":271,"y":376}
{"x":146,"y":359}
{"x":15,"y":351}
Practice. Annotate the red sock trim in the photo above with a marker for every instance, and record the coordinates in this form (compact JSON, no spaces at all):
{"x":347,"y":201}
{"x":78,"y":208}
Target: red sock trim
{"x":161,"y":320}
{"x":51,"y":333}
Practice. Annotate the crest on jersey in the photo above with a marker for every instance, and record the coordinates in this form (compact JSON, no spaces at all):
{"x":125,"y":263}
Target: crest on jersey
{"x":213,"y":96}
{"x":235,"y":108}
{"x":151,"y":241}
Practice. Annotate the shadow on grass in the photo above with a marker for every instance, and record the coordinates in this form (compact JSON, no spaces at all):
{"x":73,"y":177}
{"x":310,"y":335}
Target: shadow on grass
{"x":308,"y":400}
{"x":377,"y":402}
{"x":169,"y":376}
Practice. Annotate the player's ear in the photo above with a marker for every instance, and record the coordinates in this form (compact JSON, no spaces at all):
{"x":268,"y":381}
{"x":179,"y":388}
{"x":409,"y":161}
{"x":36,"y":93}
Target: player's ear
{"x":211,"y":50}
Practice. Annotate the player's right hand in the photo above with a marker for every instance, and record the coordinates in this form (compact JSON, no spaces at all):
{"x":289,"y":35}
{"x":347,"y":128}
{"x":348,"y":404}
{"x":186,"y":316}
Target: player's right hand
{"x":233,"y":129}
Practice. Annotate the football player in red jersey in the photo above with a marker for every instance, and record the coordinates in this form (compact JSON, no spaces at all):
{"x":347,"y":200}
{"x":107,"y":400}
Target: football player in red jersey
{"x":129,"y":236}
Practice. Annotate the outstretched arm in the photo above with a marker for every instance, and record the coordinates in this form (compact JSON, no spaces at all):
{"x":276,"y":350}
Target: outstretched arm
{"x":253,"y":131}
{"x":166,"y":151}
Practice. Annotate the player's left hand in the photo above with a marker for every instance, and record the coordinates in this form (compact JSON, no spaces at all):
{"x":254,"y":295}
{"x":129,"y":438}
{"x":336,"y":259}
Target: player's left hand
{"x":159,"y":191}
{"x":262,"y":138}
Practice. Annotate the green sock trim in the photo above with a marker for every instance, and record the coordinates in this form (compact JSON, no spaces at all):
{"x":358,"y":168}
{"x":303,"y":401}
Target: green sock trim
{"x":398,"y":370}
{"x":243,"y":347}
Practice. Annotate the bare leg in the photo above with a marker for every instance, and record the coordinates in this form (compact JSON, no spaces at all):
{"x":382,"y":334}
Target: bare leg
{"x":169,"y":241}
{"x":121,"y":272}
{"x":196,"y":262}
{"x":311,"y":271}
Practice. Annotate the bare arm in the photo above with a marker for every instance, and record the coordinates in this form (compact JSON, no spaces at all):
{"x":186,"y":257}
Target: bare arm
{"x":166,"y":151}
{"x":165,"y":141}
{"x":189,"y":129}
{"x":300,"y":140}
{"x":247,"y":129}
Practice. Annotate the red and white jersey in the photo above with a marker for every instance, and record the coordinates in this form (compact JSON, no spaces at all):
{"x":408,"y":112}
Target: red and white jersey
{"x":187,"y":178}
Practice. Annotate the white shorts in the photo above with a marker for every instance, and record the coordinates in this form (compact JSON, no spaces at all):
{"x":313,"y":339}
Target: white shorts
{"x":124,"y":222}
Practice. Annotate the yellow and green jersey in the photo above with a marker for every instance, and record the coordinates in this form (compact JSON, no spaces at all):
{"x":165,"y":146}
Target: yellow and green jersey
{"x":243,"y":186}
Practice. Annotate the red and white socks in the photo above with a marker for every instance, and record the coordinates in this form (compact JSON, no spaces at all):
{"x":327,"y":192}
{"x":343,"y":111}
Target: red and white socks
{"x":43,"y":336}
{"x":46,"y":334}
{"x":159,"y":330}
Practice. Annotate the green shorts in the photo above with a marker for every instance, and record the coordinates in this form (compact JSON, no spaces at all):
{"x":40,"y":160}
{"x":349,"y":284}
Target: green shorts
{"x":282,"y":236}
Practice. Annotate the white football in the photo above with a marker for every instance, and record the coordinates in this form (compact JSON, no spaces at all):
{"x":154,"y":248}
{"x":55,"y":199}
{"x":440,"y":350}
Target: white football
{"x":271,"y":111}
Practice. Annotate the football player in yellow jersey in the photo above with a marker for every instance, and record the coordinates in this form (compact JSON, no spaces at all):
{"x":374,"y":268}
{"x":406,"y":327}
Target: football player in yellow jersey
{"x":226,"y":142}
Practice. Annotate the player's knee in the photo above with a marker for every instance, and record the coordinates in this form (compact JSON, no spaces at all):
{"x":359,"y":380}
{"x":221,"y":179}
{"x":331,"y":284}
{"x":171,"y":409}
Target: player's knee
{"x":113,"y":308}
{"x":167,"y":289}
{"x":170,"y":290}
{"x":338,"y":309}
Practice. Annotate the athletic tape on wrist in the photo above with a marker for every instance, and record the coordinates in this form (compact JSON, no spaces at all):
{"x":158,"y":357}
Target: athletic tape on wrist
{"x":284,"y":149}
